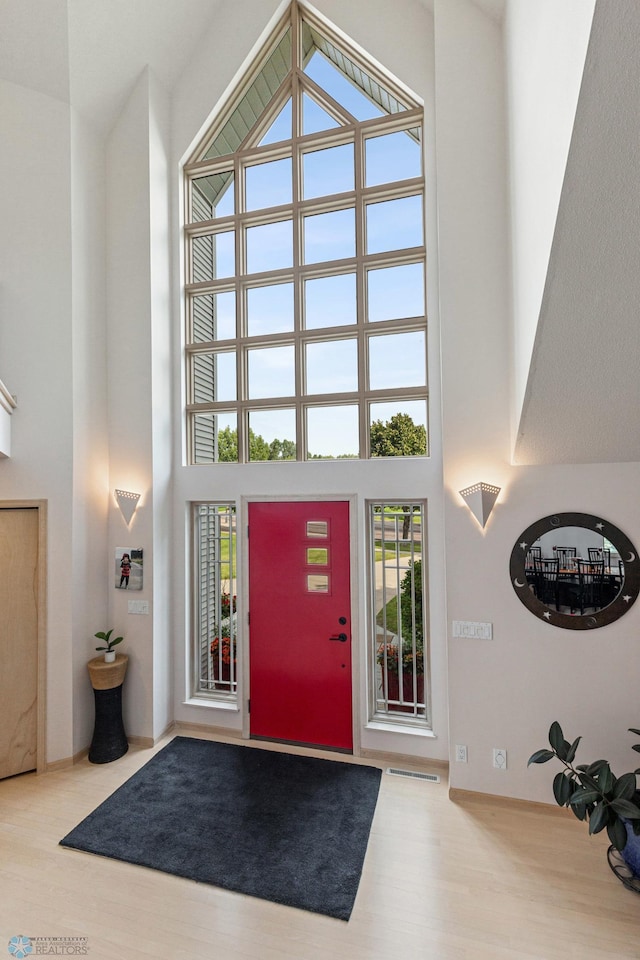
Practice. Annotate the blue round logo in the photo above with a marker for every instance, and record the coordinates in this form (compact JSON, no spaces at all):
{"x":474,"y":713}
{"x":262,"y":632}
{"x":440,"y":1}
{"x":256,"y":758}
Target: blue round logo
{"x":20,"y":947}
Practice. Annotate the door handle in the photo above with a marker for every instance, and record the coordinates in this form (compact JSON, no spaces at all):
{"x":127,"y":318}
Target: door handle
{"x":342,"y":637}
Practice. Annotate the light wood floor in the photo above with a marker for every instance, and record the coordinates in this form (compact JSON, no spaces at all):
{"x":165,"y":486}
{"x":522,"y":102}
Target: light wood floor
{"x":479,"y":880}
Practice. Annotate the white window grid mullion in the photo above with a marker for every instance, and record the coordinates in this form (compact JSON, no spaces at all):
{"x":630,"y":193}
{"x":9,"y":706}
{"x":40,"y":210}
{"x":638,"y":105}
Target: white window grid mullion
{"x":333,"y":108}
{"x":378,"y":126}
{"x":241,"y":320}
{"x":360,"y":240}
{"x":296,"y":39}
{"x":298,"y":238}
{"x":311,"y":271}
{"x":314,"y":399}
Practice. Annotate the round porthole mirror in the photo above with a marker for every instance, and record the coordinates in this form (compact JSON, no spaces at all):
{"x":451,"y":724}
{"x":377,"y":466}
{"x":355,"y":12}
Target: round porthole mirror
{"x":576,"y":571}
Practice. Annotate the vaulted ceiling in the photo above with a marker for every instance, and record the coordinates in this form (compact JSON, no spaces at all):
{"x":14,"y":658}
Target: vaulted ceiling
{"x":582,"y":403}
{"x":91,"y":53}
{"x":583,"y":390}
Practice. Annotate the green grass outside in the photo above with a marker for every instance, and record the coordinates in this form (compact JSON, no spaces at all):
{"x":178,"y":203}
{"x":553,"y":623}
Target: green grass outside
{"x":227,"y":569}
{"x":404,"y":548}
{"x":393,"y":511}
{"x":392,"y":615}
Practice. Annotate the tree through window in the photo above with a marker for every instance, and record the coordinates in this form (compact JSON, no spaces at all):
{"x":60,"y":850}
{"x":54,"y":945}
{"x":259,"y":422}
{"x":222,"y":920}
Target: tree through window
{"x":305,"y":260}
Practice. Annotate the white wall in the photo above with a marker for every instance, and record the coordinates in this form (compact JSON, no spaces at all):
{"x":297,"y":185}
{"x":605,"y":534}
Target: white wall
{"x":545,"y":47}
{"x":139,"y":389}
{"x":89,"y":421}
{"x":506,"y":692}
{"x":36,"y":356}
{"x":162,"y":322}
{"x":130,"y":390}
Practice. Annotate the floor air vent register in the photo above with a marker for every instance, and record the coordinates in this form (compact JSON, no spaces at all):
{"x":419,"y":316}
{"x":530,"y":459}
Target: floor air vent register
{"x":431,"y":777}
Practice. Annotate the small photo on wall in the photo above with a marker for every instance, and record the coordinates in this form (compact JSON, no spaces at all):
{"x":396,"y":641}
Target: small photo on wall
{"x":128,"y":568}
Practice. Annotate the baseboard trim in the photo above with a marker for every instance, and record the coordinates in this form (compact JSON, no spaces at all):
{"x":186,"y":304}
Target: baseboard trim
{"x":53,"y":765}
{"x":185,"y":726}
{"x":66,"y":762}
{"x":456,"y":795}
{"x":136,"y":741}
{"x":167,"y":730}
{"x":383,"y":756}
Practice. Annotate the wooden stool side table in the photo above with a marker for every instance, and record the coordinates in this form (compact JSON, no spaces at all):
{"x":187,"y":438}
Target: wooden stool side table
{"x":109,"y":740}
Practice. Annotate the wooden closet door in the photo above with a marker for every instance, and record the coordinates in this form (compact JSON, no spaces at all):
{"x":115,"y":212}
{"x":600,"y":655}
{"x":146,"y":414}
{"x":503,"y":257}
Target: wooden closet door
{"x":18,"y":640}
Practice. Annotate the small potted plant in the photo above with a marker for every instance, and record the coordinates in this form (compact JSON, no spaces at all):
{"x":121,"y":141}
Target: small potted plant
{"x":595,"y":794}
{"x":388,"y":655}
{"x":109,"y":652}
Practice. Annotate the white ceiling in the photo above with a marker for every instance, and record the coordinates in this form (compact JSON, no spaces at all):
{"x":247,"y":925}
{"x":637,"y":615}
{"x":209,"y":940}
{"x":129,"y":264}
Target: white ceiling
{"x":493,"y":8}
{"x":584,"y":383}
{"x":33,"y":45}
{"x":583,"y":396}
{"x":109,"y":42}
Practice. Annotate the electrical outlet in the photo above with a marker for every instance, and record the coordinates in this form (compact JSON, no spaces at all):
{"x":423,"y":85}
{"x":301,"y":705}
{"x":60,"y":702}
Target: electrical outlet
{"x":499,"y":758}
{"x":461,"y":753}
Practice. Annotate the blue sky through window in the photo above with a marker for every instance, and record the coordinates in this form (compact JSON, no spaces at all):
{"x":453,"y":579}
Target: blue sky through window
{"x":314,"y":117}
{"x":280,"y":129}
{"x":340,"y":88}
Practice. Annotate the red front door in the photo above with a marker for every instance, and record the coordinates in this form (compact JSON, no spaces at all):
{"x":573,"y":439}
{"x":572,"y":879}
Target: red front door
{"x":300,"y":622}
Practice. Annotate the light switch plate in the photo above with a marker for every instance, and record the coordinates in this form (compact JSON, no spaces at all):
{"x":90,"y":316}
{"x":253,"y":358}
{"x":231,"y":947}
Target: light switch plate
{"x":138,"y":606}
{"x":473,"y":629}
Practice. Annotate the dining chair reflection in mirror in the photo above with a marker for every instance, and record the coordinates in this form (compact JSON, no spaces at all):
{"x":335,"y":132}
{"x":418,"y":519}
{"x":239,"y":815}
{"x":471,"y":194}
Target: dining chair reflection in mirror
{"x":547,"y":586}
{"x":590,"y":584}
{"x":599,"y":553}
{"x":566,"y":557}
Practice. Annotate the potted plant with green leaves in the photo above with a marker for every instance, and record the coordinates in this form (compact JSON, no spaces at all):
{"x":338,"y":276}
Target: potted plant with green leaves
{"x":595,"y":795}
{"x":109,"y":652}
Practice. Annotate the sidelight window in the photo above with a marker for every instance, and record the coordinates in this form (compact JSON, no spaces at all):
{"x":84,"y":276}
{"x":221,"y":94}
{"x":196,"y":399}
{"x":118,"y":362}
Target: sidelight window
{"x":398,"y":648}
{"x":215,"y":608}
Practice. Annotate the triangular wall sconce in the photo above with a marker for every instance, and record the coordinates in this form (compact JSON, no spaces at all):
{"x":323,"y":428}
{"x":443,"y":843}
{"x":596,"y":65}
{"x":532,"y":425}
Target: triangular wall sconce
{"x":127,"y":502}
{"x":480,"y":499}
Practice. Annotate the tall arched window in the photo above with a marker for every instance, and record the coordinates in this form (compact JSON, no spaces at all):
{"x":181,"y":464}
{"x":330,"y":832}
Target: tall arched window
{"x":305,"y":261}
